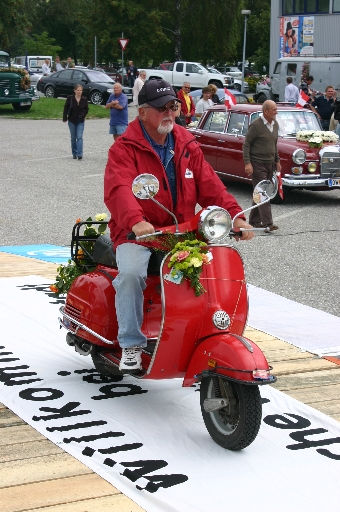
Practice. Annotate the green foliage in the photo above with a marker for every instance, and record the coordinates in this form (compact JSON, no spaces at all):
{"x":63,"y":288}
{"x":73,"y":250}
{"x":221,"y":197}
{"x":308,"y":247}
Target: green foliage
{"x":66,"y":274}
{"x":14,"y":21}
{"x":40,"y":45}
{"x":50,"y":108}
{"x":252,"y":81}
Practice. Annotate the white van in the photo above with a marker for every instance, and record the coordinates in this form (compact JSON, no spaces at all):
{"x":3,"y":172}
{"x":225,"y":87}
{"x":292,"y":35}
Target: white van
{"x":325,"y":70}
{"x":35,"y":62}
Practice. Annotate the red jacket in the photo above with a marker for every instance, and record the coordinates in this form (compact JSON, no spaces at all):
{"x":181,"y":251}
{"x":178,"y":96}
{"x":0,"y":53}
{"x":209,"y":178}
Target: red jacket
{"x":184,"y":106}
{"x":132,"y":155}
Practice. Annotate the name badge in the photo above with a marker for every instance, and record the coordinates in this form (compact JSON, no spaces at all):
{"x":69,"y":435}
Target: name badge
{"x":188,"y":174}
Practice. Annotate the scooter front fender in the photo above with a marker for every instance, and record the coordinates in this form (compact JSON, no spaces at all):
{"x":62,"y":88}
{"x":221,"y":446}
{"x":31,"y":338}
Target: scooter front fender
{"x":231,"y":356}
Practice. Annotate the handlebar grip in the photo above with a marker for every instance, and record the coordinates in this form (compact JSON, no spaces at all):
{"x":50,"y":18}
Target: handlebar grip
{"x":131,"y":236}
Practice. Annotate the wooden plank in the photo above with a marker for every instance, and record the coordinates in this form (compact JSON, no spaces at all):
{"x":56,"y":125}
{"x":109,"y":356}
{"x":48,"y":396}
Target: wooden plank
{"x":39,"y":469}
{"x":32,"y":449}
{"x":303,"y":365}
{"x":14,"y":266}
{"x":310,"y":379}
{"x":23,"y":433}
{"x":117,"y":503}
{"x":55,"y":492}
{"x":9,"y":419}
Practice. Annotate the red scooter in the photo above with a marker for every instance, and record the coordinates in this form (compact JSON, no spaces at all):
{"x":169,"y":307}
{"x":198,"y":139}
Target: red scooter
{"x":197,"y":338}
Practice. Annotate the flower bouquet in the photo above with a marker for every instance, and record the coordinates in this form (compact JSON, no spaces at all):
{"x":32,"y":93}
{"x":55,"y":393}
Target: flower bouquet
{"x":316,"y":138}
{"x":315,"y":142}
{"x":82,"y":260}
{"x":186,"y":261}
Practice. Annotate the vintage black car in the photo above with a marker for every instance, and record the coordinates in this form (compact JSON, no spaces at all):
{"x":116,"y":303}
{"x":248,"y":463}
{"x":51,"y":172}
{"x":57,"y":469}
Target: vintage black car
{"x":97,"y":85}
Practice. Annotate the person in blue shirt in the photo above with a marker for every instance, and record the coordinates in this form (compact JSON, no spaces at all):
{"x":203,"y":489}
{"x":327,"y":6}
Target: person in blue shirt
{"x":118,"y":105}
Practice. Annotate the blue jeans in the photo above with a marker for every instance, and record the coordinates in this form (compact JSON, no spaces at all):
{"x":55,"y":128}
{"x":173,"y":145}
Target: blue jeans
{"x":325,"y":124}
{"x":76,"y":131}
{"x":132,"y":261}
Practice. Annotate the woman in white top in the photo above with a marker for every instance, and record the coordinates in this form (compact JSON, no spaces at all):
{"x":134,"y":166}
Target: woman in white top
{"x":139,"y":82}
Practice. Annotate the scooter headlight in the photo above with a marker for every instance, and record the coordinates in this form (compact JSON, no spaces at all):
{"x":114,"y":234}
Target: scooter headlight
{"x":216,"y":224}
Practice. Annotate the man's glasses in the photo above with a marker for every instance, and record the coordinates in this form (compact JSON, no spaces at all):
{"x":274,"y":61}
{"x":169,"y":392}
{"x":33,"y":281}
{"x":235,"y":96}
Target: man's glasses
{"x":173,"y":107}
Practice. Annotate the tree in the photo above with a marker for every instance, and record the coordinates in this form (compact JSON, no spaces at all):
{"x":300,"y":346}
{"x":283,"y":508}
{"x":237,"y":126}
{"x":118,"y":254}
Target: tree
{"x":42,"y":45}
{"x":14,"y":22}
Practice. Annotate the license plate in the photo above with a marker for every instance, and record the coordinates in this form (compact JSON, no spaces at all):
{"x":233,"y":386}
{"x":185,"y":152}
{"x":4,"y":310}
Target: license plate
{"x":23,"y":103}
{"x":334,"y":182}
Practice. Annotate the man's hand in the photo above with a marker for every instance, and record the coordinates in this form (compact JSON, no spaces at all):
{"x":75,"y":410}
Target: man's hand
{"x":248,"y":169}
{"x":278,"y":167}
{"x":246,"y":235}
{"x":143,"y":228}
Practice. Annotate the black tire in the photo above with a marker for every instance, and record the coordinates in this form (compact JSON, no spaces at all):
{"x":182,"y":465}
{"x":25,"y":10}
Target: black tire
{"x":261,"y":98}
{"x":104,"y":369}
{"x":96,"y":98}
{"x":21,"y":108}
{"x":235,"y":426}
{"x":217,"y":83}
{"x":237,"y":87}
{"x":50,"y":92}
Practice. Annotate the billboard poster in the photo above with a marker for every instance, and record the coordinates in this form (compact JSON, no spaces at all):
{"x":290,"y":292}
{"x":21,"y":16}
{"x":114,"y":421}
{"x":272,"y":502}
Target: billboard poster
{"x":296,"y":36}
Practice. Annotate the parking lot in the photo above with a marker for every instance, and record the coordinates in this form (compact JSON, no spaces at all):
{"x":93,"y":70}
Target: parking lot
{"x":44,"y":190}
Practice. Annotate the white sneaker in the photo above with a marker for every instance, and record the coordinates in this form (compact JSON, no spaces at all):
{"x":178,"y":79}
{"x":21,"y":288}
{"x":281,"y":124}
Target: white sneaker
{"x":131,"y":360}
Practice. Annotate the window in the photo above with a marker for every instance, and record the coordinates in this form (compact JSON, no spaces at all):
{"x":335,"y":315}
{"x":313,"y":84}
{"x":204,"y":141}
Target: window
{"x":215,"y":122}
{"x":79,"y":75}
{"x":336,"y":5}
{"x":306,"y":6}
{"x":291,"y":69}
{"x":65,"y":75}
{"x":277,"y":70}
{"x":192,"y":68}
{"x":179,"y":67}
{"x":236,"y":124}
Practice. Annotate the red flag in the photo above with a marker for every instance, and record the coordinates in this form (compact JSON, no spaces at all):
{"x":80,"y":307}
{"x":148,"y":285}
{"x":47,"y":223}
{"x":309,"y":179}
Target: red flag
{"x":279,"y":182}
{"x":303,"y":98}
{"x":229,"y":98}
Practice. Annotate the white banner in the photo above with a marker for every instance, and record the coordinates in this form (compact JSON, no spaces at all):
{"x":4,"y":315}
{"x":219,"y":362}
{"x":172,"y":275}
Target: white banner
{"x":148,"y":437}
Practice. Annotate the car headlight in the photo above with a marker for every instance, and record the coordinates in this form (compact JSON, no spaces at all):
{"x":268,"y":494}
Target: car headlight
{"x":299,"y":156}
{"x":312,"y":166}
{"x":297,"y":170}
{"x":215,"y":224}
{"x":110,"y":91}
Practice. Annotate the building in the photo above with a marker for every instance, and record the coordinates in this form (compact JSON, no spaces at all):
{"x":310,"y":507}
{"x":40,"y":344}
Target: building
{"x":304,"y":28}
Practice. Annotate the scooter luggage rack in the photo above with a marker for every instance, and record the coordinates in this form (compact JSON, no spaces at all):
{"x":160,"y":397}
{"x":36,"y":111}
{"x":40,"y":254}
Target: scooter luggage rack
{"x":81,"y":245}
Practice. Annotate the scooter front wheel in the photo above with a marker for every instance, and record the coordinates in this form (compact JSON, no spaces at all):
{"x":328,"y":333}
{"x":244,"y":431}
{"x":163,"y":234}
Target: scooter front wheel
{"x":231,"y":412}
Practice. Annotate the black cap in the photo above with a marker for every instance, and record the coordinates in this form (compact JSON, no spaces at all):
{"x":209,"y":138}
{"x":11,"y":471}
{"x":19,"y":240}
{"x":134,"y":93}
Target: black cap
{"x":156,"y":93}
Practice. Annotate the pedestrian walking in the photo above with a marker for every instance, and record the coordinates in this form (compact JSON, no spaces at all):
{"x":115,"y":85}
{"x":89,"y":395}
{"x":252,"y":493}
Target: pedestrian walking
{"x":118,"y":105}
{"x":139,"y":82}
{"x":131,"y":73}
{"x":75,"y":110}
{"x":261,"y":157}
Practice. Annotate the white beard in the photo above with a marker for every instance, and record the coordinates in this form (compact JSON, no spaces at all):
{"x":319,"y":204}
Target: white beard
{"x":164,"y":129}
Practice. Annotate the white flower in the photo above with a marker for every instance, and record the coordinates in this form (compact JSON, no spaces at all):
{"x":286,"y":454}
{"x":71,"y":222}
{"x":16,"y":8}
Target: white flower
{"x":100,"y":216}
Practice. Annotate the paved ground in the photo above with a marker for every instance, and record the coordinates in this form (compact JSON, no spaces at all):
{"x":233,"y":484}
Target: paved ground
{"x":37,"y":476}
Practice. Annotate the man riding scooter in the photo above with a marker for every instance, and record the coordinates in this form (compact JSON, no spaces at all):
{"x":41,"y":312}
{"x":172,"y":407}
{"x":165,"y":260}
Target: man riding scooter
{"x":153,"y":143}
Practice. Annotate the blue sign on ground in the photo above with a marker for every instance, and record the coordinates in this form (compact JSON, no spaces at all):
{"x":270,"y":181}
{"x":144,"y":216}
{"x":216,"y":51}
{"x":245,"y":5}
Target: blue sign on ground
{"x":51,"y":253}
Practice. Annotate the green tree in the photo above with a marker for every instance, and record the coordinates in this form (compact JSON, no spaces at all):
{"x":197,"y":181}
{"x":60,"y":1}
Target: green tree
{"x":40,"y":44}
{"x":14,"y":22}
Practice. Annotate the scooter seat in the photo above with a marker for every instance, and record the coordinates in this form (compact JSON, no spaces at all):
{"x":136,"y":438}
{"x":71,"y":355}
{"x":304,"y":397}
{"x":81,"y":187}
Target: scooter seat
{"x":104,"y":254}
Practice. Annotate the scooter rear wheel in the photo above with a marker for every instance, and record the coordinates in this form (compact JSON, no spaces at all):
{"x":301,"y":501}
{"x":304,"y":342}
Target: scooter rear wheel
{"x":236,"y":425}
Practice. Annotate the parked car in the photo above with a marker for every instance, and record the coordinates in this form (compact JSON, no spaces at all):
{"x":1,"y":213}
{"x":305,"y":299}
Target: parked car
{"x":233,"y":71}
{"x":240,"y":97}
{"x":97,"y":85}
{"x":221,"y":133}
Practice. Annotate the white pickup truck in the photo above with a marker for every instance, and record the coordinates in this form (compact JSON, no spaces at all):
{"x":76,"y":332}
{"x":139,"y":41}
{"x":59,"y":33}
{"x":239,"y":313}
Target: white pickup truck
{"x":196,"y":74}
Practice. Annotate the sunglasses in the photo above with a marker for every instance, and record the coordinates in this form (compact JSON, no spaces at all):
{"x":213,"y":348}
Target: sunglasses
{"x":173,"y":107}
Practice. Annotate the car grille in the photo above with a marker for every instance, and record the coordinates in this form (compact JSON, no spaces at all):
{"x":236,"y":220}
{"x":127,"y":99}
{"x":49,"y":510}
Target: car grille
{"x":73,"y":312}
{"x":5,"y":83}
{"x":330,"y":165}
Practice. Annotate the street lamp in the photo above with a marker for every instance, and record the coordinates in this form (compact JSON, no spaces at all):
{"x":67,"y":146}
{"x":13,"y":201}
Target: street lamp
{"x":246,"y":14}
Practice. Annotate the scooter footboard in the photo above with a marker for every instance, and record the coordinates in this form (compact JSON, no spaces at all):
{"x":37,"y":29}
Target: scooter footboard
{"x":232,"y":356}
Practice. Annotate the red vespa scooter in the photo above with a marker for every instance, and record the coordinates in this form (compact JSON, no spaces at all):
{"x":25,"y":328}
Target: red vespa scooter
{"x":196,"y":338}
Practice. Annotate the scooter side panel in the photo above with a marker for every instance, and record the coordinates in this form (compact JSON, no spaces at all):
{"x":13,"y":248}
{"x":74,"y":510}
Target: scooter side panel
{"x":226,"y":355}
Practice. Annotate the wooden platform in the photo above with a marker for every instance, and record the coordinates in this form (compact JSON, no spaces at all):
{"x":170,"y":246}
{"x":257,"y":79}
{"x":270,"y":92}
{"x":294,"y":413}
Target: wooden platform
{"x":37,"y":476}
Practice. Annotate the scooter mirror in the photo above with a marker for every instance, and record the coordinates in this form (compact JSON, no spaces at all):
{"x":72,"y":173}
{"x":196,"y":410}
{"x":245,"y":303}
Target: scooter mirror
{"x":264,"y":190}
{"x":145,"y":186}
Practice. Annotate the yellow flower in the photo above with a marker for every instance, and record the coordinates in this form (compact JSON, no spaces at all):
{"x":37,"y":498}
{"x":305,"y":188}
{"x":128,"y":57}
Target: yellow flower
{"x":100,"y":216}
{"x":195,"y":262}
